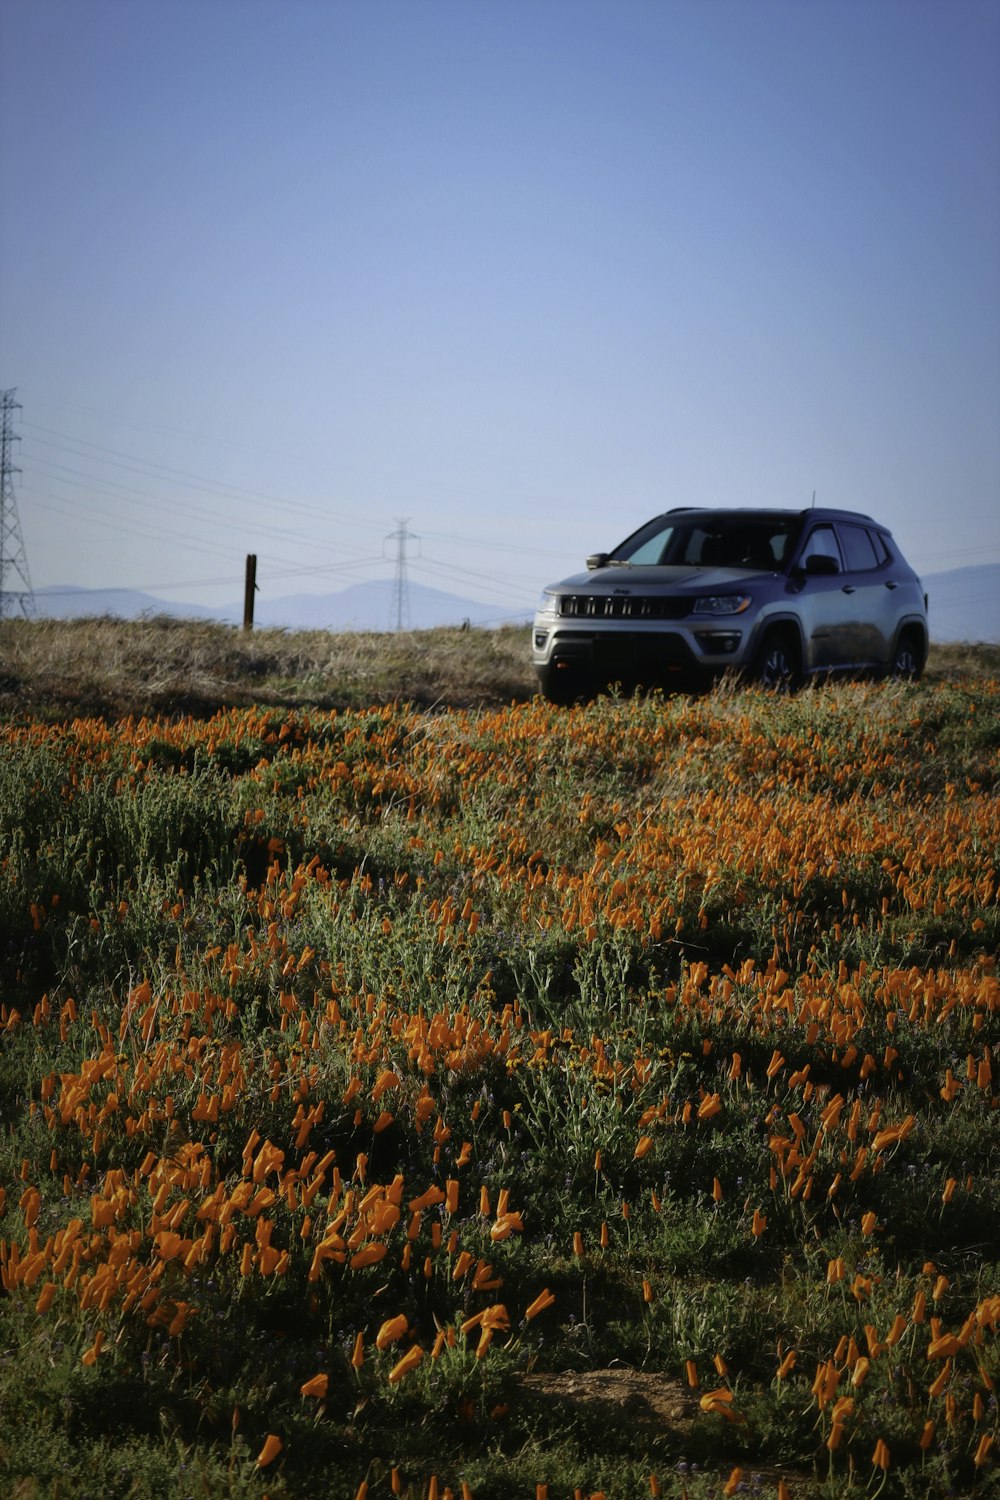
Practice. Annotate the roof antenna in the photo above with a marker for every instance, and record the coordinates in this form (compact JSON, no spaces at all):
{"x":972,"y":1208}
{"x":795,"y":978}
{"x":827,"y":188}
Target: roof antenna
{"x":814,"y":500}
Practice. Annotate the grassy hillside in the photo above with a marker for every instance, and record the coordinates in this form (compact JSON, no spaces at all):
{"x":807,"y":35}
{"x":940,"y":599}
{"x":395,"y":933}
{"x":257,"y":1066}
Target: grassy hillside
{"x":505,"y":1097}
{"x":63,"y":668}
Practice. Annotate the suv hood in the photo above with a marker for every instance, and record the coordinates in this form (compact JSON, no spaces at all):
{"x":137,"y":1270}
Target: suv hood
{"x":626,"y":580}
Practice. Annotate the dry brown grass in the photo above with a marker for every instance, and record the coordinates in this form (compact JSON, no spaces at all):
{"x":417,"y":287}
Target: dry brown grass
{"x":61,"y":668}
{"x":58,"y":669}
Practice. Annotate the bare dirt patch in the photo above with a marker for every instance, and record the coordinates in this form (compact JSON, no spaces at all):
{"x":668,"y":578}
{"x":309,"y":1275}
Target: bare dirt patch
{"x":648,"y":1400}
{"x":652,"y":1405}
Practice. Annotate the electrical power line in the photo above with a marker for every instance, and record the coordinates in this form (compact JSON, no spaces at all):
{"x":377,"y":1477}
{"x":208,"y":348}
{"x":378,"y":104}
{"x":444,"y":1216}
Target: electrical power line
{"x":152,"y":469}
{"x":198,"y":509}
{"x":489,"y":493}
{"x":142,"y":499}
{"x":209,"y":514}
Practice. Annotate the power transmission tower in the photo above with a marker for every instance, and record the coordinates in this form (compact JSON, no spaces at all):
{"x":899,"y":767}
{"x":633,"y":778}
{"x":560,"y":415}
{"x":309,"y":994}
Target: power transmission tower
{"x":12,"y":555}
{"x":402,"y":603}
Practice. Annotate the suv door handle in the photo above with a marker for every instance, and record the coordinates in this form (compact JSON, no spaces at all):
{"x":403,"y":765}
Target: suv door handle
{"x":891,"y":583}
{"x":848,"y":588}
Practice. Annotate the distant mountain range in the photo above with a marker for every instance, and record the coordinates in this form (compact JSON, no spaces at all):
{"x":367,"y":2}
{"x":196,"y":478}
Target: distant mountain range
{"x":964,"y":606}
{"x":362,"y":606}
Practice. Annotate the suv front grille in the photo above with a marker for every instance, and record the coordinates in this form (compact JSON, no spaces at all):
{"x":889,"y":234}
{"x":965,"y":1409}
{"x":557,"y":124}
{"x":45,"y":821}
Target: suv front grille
{"x":623,"y":607}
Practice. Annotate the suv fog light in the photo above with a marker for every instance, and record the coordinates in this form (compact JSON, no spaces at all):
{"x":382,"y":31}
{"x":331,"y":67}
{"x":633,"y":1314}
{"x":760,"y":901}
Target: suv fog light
{"x":541,"y":636}
{"x":718,"y":642}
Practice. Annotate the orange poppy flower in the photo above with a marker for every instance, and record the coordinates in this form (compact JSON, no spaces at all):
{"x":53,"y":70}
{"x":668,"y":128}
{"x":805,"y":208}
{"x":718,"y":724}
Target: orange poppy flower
{"x":542,"y":1301}
{"x":881,"y":1458}
{"x":391,"y":1331}
{"x":272,"y":1447}
{"x":409,"y":1362}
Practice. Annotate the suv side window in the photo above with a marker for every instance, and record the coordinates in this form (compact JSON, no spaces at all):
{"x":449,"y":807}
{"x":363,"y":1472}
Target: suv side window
{"x":859,"y":553}
{"x":821,"y":542}
{"x":882,"y":549}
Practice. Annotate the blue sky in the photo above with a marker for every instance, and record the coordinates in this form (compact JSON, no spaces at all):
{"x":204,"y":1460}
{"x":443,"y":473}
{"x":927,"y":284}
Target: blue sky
{"x":273,"y":276}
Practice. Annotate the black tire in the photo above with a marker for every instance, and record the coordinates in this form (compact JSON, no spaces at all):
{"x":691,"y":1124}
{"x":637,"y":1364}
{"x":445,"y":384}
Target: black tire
{"x":907,"y":659}
{"x":565,"y":686}
{"x":777,"y":665}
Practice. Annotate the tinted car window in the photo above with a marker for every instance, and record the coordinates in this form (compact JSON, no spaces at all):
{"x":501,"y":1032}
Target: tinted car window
{"x":821,"y":542}
{"x":859,"y":552}
{"x":730,"y":542}
{"x":737,"y":545}
{"x":648,"y":545}
{"x":651,"y":551}
{"x":882,"y":549}
{"x":701,"y":548}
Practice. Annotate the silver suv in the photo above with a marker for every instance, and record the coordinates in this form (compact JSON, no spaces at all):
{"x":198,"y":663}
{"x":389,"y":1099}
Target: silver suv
{"x":776,"y":595}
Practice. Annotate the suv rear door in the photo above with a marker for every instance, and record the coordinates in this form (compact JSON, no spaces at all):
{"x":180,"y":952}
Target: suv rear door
{"x":871,"y":589}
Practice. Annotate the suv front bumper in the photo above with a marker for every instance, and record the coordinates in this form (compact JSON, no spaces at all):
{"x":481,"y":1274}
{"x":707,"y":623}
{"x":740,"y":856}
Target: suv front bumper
{"x":622,"y":654}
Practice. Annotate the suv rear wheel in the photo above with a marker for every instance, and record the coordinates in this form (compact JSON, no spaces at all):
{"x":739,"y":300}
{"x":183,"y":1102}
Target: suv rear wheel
{"x":777,"y":664}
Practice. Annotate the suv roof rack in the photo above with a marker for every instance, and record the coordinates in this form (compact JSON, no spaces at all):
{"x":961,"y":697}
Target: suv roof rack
{"x":837,"y":512}
{"x":809,"y":510}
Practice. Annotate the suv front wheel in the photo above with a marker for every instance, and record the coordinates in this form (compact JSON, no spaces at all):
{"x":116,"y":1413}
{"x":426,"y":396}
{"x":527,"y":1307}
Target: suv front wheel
{"x":566,"y":685}
{"x":777,"y":664}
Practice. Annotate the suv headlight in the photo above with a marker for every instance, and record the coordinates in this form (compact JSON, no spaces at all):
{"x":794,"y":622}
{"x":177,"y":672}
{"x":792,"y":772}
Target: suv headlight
{"x":548,"y":605}
{"x":722,"y":604}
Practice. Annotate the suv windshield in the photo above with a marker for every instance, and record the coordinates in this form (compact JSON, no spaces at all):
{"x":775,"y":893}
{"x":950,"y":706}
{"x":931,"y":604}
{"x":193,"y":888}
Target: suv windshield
{"x":711,"y":541}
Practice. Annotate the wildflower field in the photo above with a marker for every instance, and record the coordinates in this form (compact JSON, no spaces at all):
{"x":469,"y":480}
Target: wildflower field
{"x":504,"y":1102}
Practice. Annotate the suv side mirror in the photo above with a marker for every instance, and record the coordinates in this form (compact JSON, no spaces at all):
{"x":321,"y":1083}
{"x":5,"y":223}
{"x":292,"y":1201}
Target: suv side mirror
{"x":597,"y":560}
{"x":820,"y":566}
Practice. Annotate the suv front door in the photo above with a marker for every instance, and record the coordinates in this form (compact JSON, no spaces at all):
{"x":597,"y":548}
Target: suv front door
{"x":824,"y":600}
